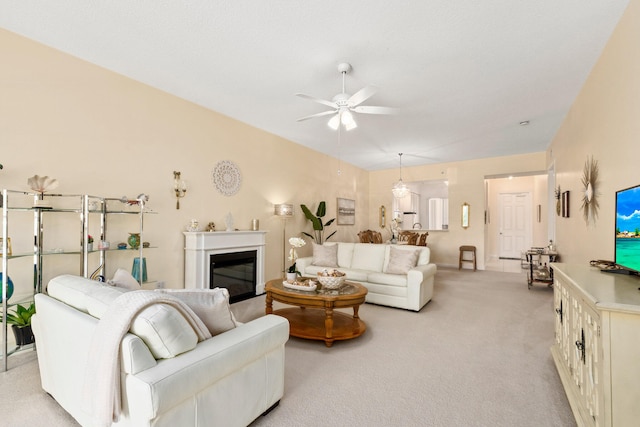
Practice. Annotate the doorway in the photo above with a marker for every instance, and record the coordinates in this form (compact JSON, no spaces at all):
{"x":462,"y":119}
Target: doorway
{"x":514,"y":211}
{"x":516,"y":218}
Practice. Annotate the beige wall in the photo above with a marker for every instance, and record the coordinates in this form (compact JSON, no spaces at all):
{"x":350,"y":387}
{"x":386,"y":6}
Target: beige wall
{"x":604,"y":123}
{"x":103,"y":134}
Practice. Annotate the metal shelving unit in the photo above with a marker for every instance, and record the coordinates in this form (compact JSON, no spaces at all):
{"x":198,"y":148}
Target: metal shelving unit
{"x":85,"y":206}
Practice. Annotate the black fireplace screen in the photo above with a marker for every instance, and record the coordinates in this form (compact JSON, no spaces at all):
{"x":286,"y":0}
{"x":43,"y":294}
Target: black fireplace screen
{"x":235,"y":271}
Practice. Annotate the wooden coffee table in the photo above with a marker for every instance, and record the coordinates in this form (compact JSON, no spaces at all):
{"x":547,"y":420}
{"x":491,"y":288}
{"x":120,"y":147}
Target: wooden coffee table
{"x":315,"y":318}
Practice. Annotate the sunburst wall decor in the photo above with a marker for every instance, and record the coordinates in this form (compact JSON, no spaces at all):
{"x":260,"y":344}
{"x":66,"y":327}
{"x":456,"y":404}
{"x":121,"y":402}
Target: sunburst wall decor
{"x":589,"y":187}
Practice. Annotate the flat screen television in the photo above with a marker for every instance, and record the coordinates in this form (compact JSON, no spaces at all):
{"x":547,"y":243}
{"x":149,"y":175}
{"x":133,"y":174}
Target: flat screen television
{"x":627,"y":247}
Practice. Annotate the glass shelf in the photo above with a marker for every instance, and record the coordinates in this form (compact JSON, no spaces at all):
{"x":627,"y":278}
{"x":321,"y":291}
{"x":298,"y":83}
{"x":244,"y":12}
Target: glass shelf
{"x":92,"y":212}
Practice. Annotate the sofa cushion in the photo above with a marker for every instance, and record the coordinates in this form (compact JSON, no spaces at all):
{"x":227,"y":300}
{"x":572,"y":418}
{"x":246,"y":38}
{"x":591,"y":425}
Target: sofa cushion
{"x":79,"y":292}
{"x":325,"y":255}
{"x":357,"y":275}
{"x":386,"y":289}
{"x":395,"y":280}
{"x":210,"y":305}
{"x":99,"y":300}
{"x":424,"y":256}
{"x":345,"y":254}
{"x":401,"y":261}
{"x":367,"y":256}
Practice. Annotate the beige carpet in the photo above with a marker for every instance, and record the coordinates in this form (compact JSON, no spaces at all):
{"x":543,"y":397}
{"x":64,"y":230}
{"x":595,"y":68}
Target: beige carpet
{"x":477,"y":355}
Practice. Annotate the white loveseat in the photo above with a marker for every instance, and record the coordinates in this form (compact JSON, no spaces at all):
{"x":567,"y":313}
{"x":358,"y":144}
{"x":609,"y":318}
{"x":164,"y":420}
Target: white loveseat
{"x":368,"y":264}
{"x":227,"y":380}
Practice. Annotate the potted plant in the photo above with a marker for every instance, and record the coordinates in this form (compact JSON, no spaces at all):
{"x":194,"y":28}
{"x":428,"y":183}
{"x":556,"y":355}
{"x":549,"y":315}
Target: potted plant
{"x":89,"y":242}
{"x":292,"y":271}
{"x":316,"y":221}
{"x":20,"y":321}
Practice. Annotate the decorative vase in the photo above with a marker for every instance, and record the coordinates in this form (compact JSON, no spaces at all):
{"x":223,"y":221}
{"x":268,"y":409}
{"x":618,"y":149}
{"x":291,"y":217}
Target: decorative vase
{"x":90,"y":246}
{"x":9,"y":287}
{"x":291,"y":277}
{"x":23,"y":335}
{"x":135,"y":271}
{"x":134,"y":240}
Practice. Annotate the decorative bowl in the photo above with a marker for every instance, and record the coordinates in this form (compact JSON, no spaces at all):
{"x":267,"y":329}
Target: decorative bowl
{"x":331,"y":282}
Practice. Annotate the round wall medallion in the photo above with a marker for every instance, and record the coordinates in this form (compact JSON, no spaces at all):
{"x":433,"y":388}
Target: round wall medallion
{"x":226,"y":177}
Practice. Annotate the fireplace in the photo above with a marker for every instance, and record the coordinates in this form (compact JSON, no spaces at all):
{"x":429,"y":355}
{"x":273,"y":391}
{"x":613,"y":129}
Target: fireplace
{"x":235,"y":271}
{"x":240,"y":255}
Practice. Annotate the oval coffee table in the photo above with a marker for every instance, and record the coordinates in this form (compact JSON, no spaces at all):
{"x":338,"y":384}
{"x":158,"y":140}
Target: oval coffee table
{"x":315,"y":318}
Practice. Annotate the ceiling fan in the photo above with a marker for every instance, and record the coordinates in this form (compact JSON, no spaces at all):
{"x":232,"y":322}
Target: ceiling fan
{"x":343,"y":104}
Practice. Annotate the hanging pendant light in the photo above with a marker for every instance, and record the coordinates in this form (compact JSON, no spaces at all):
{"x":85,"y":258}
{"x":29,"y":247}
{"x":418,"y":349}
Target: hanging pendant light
{"x":400,"y":189}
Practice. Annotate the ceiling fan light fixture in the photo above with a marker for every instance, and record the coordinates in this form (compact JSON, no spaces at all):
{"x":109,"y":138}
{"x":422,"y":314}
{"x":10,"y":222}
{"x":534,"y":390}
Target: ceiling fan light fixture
{"x":346,"y":118}
{"x":343,"y":105}
{"x":342,"y":117}
{"x":334,"y":122}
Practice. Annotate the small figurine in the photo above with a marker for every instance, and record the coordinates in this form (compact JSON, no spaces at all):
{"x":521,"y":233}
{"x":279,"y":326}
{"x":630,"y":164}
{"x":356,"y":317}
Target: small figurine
{"x":211,"y":227}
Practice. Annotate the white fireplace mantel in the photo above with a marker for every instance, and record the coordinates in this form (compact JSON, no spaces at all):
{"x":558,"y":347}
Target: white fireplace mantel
{"x":199,"y":246}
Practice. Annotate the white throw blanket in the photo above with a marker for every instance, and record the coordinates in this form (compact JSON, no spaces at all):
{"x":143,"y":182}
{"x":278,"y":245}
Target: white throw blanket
{"x":102,"y":383}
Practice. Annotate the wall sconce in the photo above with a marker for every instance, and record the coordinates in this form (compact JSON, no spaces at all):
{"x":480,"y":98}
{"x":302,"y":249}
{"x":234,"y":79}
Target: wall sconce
{"x":180,"y":188}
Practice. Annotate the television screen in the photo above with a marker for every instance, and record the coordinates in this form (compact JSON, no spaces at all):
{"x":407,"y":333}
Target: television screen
{"x":627,"y":249}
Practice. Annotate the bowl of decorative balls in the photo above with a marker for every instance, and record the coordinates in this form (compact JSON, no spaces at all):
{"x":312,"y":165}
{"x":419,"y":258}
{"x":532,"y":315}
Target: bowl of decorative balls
{"x":331,"y":279}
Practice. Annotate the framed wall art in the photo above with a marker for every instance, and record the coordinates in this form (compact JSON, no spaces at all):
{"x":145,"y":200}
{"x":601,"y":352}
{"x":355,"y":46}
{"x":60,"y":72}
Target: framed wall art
{"x":565,"y":204}
{"x":346,"y":212}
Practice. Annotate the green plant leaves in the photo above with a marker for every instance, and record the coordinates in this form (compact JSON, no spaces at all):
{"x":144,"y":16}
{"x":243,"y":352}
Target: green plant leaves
{"x":317,"y":223}
{"x":316,"y":220}
{"x":21,"y":316}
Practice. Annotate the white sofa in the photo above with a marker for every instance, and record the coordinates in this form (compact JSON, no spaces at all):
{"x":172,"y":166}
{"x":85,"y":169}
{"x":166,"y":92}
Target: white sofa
{"x":367,"y":263}
{"x":227,"y":380}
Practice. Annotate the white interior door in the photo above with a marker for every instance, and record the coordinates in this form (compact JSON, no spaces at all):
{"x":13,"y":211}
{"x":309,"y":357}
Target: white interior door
{"x":515,"y":224}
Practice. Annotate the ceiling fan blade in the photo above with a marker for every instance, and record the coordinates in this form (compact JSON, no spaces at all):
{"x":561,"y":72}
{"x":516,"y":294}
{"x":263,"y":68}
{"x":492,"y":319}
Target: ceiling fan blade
{"x":362,"y":95}
{"x":313,"y":116}
{"x":321,"y":101}
{"x":375,"y":110}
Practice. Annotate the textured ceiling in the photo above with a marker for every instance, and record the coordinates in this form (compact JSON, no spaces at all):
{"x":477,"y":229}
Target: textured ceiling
{"x":462,"y":73}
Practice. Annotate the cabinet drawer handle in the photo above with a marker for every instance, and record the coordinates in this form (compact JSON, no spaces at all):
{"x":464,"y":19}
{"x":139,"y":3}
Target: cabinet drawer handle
{"x":581,"y":347}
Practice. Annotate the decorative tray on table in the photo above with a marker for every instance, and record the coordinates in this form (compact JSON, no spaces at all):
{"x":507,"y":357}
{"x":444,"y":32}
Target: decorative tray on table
{"x":306,"y":285}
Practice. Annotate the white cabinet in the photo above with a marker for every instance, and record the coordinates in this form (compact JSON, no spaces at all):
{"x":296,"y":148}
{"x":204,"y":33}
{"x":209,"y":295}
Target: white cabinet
{"x":597,"y":344}
{"x":407,"y":204}
{"x":438,"y":214}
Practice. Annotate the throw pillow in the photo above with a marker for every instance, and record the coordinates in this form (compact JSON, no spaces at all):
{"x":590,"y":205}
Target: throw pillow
{"x":401,"y":261}
{"x":325,"y":256}
{"x":164,"y":330}
{"x":124,"y":279}
{"x":210,"y":305}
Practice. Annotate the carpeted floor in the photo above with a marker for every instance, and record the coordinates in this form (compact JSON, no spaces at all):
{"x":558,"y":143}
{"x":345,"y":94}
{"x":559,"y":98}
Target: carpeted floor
{"x":476,"y":355}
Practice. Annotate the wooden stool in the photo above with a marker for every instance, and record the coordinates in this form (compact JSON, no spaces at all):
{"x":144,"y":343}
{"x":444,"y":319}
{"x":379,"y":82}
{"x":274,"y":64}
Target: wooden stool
{"x":464,"y":249}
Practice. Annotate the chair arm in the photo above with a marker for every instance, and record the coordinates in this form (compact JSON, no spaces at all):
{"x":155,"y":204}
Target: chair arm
{"x":172,"y":381}
{"x":420,"y":272}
